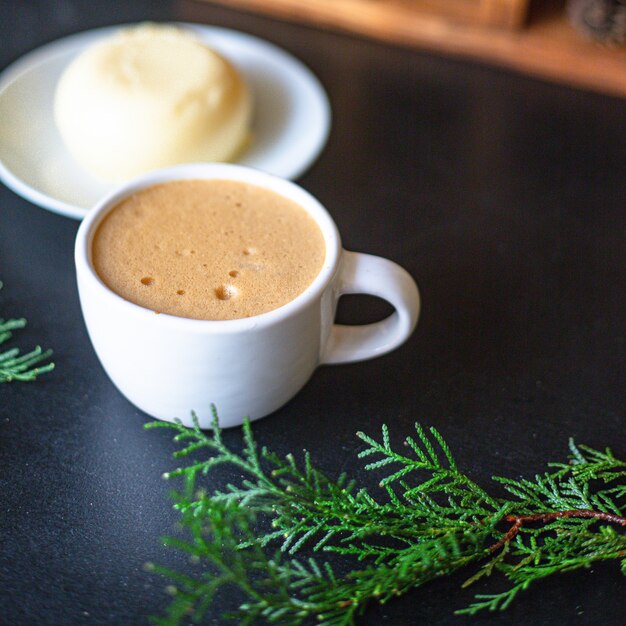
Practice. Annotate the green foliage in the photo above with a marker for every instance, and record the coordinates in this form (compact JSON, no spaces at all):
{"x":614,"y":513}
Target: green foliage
{"x":14,"y":366}
{"x":258,"y":535}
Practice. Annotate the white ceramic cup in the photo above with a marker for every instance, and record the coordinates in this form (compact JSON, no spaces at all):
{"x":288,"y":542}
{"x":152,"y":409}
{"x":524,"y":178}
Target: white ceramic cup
{"x":170,"y":366}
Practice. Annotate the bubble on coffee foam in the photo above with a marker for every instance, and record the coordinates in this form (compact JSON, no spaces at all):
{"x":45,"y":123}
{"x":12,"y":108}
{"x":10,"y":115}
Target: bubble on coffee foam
{"x":226,"y":292}
{"x":147,"y":281}
{"x":180,"y":292}
{"x":249,"y":251}
{"x":233,"y":273}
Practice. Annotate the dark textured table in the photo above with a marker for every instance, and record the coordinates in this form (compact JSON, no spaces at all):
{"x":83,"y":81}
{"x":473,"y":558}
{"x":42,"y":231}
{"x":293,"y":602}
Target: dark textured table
{"x":503,"y":196}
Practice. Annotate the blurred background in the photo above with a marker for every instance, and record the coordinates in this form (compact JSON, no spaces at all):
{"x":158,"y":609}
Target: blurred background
{"x":580,"y":42}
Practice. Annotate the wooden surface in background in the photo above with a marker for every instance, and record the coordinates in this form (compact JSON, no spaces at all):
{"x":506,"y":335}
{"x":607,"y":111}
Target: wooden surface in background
{"x":507,"y":14}
{"x":498,"y":31}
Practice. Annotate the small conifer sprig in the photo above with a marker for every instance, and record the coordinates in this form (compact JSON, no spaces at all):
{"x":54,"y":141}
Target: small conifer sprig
{"x":16,"y":366}
{"x":259,"y":535}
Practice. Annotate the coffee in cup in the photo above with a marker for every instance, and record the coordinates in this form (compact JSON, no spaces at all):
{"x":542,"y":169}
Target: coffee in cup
{"x":171,"y":364}
{"x":208,"y":249}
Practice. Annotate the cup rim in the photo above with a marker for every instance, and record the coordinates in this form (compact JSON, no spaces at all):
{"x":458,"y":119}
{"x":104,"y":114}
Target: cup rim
{"x":211,"y":171}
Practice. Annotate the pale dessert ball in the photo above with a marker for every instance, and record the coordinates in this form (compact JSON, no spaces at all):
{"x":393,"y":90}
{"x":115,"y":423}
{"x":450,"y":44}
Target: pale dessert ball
{"x":148,"y":97}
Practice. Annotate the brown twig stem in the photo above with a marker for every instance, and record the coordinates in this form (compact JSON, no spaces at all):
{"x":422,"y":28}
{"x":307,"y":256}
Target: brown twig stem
{"x":545,"y":518}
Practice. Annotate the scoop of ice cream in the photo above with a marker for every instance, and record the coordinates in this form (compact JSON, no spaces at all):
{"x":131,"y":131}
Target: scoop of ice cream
{"x":148,"y":97}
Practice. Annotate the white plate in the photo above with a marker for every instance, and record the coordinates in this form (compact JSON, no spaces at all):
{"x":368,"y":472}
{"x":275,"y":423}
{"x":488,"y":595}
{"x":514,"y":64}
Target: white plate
{"x":290,"y":125}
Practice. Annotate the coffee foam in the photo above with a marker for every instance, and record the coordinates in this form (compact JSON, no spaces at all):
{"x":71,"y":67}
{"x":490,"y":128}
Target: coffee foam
{"x":208,"y":249}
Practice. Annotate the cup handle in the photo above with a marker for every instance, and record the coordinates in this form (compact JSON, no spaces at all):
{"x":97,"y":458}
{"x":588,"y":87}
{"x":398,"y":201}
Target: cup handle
{"x":366,"y":274}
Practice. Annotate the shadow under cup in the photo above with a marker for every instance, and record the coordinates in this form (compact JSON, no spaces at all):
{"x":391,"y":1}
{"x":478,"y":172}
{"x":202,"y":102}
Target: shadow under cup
{"x":169,"y":366}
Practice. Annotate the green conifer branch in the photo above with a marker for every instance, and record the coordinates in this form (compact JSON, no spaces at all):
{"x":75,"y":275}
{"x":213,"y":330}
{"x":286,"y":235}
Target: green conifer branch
{"x":259,"y":535}
{"x":14,"y":366}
